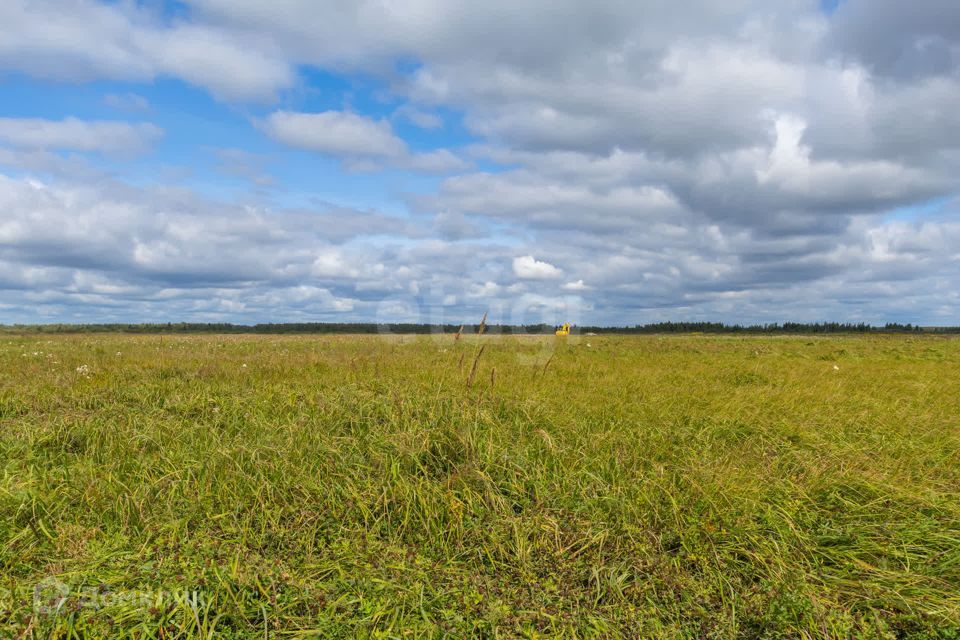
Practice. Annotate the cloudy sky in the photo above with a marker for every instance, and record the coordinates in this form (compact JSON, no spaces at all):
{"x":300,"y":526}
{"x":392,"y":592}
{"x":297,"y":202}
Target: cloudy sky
{"x":609,"y":162}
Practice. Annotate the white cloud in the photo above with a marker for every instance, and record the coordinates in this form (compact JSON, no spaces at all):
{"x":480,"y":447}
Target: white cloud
{"x":363,"y":142}
{"x":740,"y":164}
{"x":530,"y":268}
{"x":335,"y":132}
{"x":84,"y":40}
{"x":78,"y":135}
{"x":525,"y":196}
{"x":577,"y":285}
{"x":792,"y":170}
{"x":419,"y":117}
{"x":484,"y":290}
{"x":120,"y":252}
{"x":230,"y":65}
{"x":437,"y":161}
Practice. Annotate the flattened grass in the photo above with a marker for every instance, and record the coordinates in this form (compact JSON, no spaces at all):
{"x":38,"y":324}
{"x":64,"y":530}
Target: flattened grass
{"x":675,"y":487}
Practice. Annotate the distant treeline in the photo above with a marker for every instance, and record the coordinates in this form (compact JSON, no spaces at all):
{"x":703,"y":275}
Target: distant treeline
{"x":786,"y":327}
{"x":374,"y":328}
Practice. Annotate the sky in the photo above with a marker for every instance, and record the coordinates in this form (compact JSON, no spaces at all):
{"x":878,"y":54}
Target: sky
{"x":612,"y":162}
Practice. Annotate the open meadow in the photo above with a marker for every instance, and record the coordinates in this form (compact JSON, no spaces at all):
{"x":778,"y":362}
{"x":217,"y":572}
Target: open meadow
{"x":399,"y":486}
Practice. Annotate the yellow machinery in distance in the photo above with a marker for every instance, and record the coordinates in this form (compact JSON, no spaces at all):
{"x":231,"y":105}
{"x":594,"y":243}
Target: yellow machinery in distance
{"x":564,"y":329}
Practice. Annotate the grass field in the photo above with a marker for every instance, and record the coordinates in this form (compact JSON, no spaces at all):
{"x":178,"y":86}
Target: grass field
{"x":664,"y":487}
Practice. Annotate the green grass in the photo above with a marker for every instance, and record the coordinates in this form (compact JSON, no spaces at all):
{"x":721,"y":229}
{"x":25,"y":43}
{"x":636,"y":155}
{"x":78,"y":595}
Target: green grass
{"x":661,"y":487}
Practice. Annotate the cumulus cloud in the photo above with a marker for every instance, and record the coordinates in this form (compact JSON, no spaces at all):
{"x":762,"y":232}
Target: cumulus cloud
{"x":791,"y":168}
{"x":171,"y":237}
{"x":436,"y":161}
{"x":356,"y":138}
{"x":894,"y":40}
{"x":85,"y":40}
{"x":78,"y":135}
{"x":419,"y":117}
{"x":130,"y":253}
{"x":112,"y":251}
{"x":335,"y":133}
{"x":527,"y":196}
{"x":577,"y":285}
{"x":530,"y":268}
{"x":766,"y":161}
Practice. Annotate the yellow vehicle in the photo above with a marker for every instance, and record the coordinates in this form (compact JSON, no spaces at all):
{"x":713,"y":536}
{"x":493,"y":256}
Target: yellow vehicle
{"x":564,"y":329}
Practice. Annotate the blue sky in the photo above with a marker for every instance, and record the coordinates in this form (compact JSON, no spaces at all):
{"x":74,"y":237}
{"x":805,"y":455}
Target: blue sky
{"x":608,"y":163}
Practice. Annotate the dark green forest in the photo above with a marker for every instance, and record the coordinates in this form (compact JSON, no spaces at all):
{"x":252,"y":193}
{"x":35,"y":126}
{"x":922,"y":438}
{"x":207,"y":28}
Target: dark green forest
{"x":374,"y":328}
